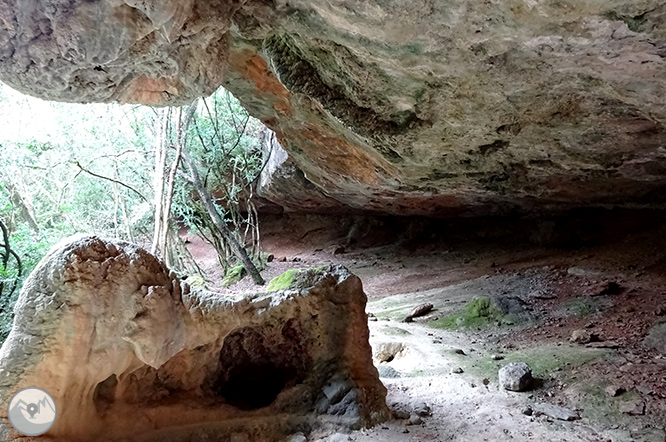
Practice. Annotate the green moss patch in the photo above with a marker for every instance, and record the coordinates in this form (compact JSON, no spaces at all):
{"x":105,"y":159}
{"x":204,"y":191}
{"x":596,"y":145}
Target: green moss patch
{"x":282,"y":282}
{"x":233,"y":275}
{"x":543,"y":359}
{"x":478,"y":312}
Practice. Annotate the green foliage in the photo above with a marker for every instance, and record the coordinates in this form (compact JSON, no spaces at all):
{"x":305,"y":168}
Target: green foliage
{"x":71,"y":168}
{"x":226,"y":143}
{"x":282,"y":282}
{"x":478,"y":312}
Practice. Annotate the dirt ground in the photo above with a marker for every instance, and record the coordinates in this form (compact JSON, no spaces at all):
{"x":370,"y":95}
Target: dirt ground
{"x":612,"y":286}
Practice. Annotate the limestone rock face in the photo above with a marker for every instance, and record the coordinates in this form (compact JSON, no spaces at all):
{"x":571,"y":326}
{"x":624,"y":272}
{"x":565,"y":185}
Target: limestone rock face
{"x":417,"y":107}
{"x":130,"y":353}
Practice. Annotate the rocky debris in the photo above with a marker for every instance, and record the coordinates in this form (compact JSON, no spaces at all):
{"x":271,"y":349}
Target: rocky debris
{"x":604,"y":288}
{"x":634,"y":407}
{"x":556,"y":412}
{"x":459,"y":351}
{"x":339,"y":250}
{"x":400,"y":410}
{"x":614,"y":390}
{"x":496,"y":357}
{"x":577,"y":271}
{"x":457,"y":370}
{"x":414,"y":419}
{"x":298,"y":437}
{"x":388,"y":351}
{"x":516,"y":376}
{"x":603,"y":344}
{"x":527,"y":411}
{"x":338,"y":437}
{"x":298,"y":353}
{"x":657,"y":337}
{"x":583,"y":337}
{"x":419,"y":310}
{"x":543,"y":294}
{"x":386,"y":371}
{"x":421,"y":409}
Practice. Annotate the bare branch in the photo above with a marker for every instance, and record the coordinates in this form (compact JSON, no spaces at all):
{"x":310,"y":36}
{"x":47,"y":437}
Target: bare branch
{"x":127,"y":186}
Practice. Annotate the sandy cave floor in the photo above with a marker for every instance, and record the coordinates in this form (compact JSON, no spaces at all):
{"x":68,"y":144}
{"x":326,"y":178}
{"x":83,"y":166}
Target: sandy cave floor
{"x":555,"y":290}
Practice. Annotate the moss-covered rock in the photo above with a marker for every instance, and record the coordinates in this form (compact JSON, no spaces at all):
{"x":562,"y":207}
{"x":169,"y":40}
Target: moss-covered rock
{"x":478,"y":312}
{"x":233,"y":275}
{"x":282,"y":282}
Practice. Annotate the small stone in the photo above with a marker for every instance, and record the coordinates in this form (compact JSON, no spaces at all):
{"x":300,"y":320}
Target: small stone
{"x":556,"y":412}
{"x":527,"y":411}
{"x":298,"y":437}
{"x":419,"y":310}
{"x":339,"y":250}
{"x":633,"y":408}
{"x":460,"y":351}
{"x":270,"y":258}
{"x":457,"y":370}
{"x":516,"y":376}
{"x":399,"y":411}
{"x":486,"y":381}
{"x":415,"y":419}
{"x":614,"y":390}
{"x":282,"y":259}
{"x":496,"y":357}
{"x":580,"y":337}
{"x":605,"y":288}
{"x":386,"y":371}
{"x":421,"y":409}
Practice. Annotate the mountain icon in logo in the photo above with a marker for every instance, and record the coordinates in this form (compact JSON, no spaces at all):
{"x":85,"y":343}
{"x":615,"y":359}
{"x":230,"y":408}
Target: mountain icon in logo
{"x":32,"y":411}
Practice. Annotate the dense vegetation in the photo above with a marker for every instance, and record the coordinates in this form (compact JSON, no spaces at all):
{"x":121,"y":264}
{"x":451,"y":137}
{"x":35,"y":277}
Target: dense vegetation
{"x":119,"y":171}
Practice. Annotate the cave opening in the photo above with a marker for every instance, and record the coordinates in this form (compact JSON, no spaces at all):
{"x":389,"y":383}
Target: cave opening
{"x":257,"y":364}
{"x":253,"y":386}
{"x":105,"y":394}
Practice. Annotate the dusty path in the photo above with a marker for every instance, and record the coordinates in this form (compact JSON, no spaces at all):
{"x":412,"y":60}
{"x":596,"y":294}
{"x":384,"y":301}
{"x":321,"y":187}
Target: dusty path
{"x":548,"y":292}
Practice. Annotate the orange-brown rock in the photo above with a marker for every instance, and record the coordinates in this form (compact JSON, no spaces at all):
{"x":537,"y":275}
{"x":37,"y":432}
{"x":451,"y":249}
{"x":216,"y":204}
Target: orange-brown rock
{"x":422,"y":107}
{"x":131,"y":353}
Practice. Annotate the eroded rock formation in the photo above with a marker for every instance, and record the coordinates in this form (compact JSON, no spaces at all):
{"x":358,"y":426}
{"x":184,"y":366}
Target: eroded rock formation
{"x":406,"y":107}
{"x":131,"y":353}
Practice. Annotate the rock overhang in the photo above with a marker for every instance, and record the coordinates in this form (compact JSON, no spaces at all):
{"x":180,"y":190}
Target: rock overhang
{"x":426,"y":108}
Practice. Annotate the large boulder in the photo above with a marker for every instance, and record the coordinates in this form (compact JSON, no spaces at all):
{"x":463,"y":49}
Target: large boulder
{"x":406,"y":107}
{"x":131,"y":353}
{"x":516,"y":376}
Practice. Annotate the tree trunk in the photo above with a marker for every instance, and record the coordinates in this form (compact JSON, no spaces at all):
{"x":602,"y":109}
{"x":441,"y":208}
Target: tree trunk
{"x":227,"y":234}
{"x":158,"y":183}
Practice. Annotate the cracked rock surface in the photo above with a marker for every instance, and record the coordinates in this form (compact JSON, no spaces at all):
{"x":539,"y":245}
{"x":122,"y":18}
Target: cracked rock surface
{"x":406,"y":107}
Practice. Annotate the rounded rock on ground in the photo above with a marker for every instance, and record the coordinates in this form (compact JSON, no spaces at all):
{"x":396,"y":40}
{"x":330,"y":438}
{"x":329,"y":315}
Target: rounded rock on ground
{"x":386,"y":371}
{"x":415,"y":419}
{"x":298,"y":437}
{"x":421,"y":408}
{"x":516,"y":376}
{"x":581,"y":337}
